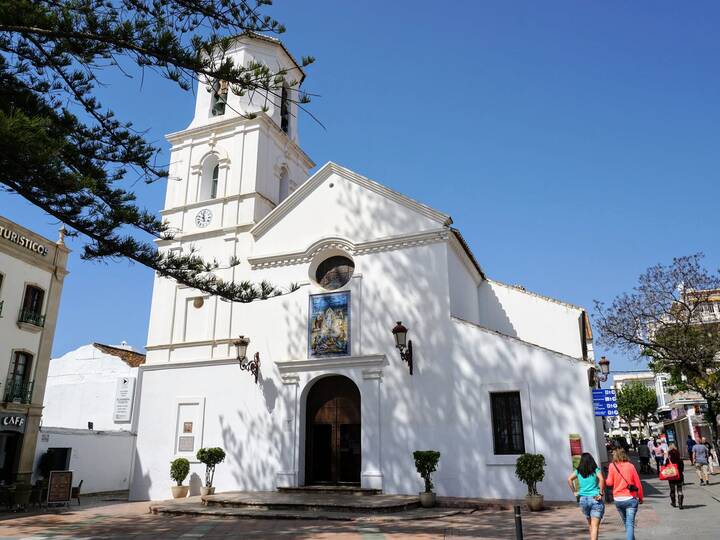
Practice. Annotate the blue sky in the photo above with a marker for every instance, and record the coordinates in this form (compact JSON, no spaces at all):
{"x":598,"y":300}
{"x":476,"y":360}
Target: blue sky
{"x":574,"y":143}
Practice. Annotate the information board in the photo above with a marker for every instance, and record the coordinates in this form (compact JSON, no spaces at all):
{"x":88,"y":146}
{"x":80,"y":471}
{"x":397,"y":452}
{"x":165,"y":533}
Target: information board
{"x":605,"y":402}
{"x":59,"y":487}
{"x":124,"y":393}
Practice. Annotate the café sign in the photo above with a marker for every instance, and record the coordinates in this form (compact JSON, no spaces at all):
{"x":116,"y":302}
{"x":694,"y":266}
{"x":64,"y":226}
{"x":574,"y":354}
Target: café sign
{"x":13,"y":422}
{"x":22,"y":241}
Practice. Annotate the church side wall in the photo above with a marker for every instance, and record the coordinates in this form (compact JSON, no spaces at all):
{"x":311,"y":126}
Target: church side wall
{"x":529,"y":317}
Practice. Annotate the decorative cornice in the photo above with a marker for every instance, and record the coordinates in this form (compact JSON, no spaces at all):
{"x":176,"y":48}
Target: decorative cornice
{"x":182,"y":345}
{"x":188,"y":364}
{"x":376,"y":361}
{"x":323,"y":174}
{"x":229,"y":127}
{"x":363,"y":248}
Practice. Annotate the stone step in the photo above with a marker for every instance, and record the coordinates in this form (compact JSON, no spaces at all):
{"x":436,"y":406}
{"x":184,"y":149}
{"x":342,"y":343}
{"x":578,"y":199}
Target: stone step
{"x":196,"y":508}
{"x":315,"y":502}
{"x":348,"y":490}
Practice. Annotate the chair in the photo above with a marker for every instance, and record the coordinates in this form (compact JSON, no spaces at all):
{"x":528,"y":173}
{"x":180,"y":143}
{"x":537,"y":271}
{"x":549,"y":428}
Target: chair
{"x":75,"y":494}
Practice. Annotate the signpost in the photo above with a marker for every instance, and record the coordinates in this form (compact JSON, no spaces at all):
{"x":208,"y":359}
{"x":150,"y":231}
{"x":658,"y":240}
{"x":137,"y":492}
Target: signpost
{"x":59,"y":487}
{"x":605,"y":402}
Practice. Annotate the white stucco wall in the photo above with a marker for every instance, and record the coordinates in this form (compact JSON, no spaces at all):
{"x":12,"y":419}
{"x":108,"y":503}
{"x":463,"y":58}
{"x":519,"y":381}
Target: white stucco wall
{"x":100,"y":459}
{"x":531,"y":317}
{"x":81,"y":388}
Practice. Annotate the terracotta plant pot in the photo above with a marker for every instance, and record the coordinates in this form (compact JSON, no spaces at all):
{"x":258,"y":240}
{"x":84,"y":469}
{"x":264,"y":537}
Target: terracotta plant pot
{"x":427,"y":499}
{"x":534,"y":502}
{"x":180,"y":492}
{"x":205,"y":491}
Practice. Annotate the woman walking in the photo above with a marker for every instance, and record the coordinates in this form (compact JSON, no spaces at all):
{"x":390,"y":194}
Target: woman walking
{"x":676,"y":485}
{"x":627,"y":490}
{"x":591,"y":487}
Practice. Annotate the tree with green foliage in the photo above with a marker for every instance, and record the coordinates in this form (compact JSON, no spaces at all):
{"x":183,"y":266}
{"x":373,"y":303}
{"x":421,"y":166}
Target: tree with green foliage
{"x":671,"y":319}
{"x":637,"y":402}
{"x":65,"y":152}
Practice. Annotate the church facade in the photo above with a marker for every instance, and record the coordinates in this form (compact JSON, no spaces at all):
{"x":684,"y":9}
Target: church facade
{"x":496,"y":370}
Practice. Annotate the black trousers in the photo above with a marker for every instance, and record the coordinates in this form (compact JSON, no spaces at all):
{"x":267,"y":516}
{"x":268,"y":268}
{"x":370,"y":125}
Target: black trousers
{"x":676,"y":490}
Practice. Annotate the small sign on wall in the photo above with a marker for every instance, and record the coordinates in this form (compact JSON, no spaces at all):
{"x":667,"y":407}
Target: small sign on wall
{"x":124,"y":394}
{"x":186,"y":444}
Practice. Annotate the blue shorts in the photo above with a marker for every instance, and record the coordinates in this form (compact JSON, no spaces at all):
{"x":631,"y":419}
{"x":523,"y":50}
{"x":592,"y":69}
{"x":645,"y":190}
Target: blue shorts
{"x":592,"y":507}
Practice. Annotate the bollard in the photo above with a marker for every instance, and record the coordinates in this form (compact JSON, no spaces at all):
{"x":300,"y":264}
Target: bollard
{"x":518,"y":523}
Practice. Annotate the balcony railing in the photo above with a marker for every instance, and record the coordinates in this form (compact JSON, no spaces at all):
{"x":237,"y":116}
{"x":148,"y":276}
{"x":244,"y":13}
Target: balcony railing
{"x":31,"y":317}
{"x":18,"y":392}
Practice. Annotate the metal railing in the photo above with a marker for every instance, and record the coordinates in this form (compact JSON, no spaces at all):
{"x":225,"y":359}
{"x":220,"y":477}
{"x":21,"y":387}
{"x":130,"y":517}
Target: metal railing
{"x":18,"y":392}
{"x":31,"y":317}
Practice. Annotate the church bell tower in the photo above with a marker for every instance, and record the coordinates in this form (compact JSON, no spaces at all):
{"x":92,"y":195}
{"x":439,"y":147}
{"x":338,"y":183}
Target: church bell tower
{"x":239,"y":157}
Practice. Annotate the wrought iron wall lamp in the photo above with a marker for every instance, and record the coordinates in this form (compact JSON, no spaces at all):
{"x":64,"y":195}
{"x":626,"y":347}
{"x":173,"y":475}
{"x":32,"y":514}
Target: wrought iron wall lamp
{"x":403,"y":345}
{"x":253,"y":366}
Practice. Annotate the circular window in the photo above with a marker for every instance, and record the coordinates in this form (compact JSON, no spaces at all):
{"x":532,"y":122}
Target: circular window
{"x":334,"y":272}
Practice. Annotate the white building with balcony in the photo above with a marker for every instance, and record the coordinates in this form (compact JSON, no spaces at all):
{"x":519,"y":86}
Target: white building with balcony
{"x":497,"y":370}
{"x":32,"y":271}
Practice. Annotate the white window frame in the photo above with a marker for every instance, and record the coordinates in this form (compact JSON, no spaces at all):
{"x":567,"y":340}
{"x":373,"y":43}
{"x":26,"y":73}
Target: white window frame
{"x":527,"y":420}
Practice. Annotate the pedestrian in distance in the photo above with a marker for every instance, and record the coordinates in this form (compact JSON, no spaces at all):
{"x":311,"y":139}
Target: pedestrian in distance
{"x":644,"y":455}
{"x":690,"y":443}
{"x":659,"y":454}
{"x":675,"y":481}
{"x":700,"y":458}
{"x":712,"y":457}
{"x":590,"y":492}
{"x":626,"y":489}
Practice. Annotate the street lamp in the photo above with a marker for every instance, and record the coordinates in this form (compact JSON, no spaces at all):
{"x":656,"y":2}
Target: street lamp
{"x":253,"y":366}
{"x":403,"y":344}
{"x":597,"y":378}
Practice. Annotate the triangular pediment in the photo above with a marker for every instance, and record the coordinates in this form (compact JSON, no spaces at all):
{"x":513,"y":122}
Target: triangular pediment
{"x":338,"y":203}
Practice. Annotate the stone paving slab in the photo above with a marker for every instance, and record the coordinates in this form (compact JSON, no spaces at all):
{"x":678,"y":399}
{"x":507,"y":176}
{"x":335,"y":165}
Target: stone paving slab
{"x":273,"y":500}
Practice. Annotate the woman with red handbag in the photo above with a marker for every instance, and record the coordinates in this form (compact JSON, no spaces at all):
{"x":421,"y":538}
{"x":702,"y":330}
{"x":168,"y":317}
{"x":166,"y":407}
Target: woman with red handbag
{"x":675,"y":481}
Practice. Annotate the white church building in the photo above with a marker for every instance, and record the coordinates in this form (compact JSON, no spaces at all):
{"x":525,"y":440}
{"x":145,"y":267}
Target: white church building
{"x":497,"y":371}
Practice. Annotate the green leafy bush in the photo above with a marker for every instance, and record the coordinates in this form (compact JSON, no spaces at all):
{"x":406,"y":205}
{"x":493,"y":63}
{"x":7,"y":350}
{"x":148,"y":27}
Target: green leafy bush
{"x":426,"y":463}
{"x":530,"y":469}
{"x":210,"y":457}
{"x":179,"y":469}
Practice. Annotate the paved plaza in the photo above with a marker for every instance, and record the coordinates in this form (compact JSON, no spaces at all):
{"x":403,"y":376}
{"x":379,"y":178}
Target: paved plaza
{"x":101,"y":519}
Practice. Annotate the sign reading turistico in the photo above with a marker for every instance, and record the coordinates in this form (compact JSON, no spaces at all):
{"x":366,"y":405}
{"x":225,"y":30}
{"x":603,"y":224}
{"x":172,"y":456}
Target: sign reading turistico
{"x":22,"y":241}
{"x":605,"y":402}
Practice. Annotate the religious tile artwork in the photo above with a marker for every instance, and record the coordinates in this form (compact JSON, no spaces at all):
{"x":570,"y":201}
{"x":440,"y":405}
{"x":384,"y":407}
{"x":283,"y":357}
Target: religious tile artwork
{"x":329,"y":325}
{"x":187,"y":427}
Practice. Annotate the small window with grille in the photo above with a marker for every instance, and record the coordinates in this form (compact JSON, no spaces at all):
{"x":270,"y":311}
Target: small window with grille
{"x":508,"y":436}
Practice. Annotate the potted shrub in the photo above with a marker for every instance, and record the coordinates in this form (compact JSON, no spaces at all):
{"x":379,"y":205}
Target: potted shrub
{"x":426,"y":463}
{"x":179,"y":469}
{"x":210,"y":457}
{"x":530,"y":468}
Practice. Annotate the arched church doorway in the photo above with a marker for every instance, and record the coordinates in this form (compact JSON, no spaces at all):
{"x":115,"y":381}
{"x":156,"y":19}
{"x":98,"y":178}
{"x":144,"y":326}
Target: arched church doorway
{"x":332,"y":438}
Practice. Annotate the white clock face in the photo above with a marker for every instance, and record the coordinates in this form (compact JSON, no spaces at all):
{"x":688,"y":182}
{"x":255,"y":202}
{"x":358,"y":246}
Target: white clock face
{"x":203,"y":218}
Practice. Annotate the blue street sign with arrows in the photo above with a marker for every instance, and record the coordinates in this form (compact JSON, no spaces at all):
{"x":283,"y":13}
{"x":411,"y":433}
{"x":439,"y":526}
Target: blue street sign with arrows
{"x":605,"y":402}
